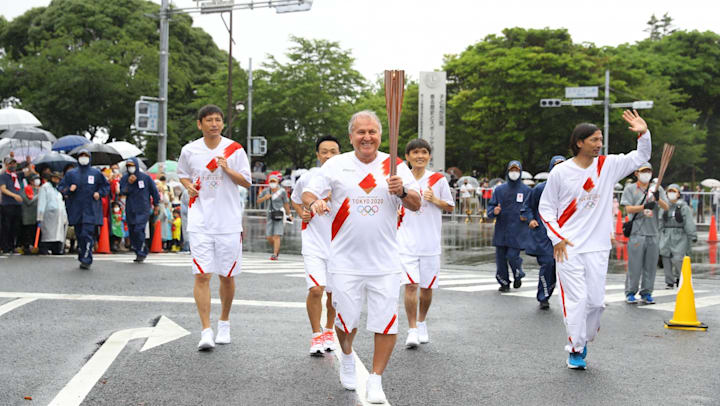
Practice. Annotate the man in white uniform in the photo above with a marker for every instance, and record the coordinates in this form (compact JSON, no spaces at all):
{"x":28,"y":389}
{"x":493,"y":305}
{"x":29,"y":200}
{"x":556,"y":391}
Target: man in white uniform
{"x":419,"y":237}
{"x":210,"y":168}
{"x":364,"y":252}
{"x":576,"y":208}
{"x":315,"y":251}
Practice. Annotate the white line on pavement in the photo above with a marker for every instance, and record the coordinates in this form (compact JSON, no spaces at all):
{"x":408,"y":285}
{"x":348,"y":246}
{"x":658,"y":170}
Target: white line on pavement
{"x":533,"y":292}
{"x":699,"y":303}
{"x":146,"y":299}
{"x":10,"y":306}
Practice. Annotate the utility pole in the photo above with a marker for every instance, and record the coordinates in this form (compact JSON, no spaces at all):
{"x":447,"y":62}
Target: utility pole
{"x":230,"y":106}
{"x":607,"y":111}
{"x":249,"y":110}
{"x":163,"y":78}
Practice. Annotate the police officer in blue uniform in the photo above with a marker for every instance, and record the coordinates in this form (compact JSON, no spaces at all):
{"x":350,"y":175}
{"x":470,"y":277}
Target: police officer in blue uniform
{"x":511,"y":230}
{"x":139,"y":188}
{"x":83,"y":187}
{"x":539,"y":245}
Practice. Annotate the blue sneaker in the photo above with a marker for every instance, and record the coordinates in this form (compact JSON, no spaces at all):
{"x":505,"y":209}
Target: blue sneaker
{"x":647,"y":299}
{"x":576,"y":361}
{"x":584,"y":353}
{"x":631,"y":299}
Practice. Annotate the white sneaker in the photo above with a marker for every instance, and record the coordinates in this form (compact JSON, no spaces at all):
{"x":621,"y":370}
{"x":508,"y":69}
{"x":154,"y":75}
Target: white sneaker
{"x":348,"y":377}
{"x":423,"y":336}
{"x":206,"y":340}
{"x":412,"y":338}
{"x":317,"y":344}
{"x":223,"y":335}
{"x":374,"y":389}
{"x":329,"y":340}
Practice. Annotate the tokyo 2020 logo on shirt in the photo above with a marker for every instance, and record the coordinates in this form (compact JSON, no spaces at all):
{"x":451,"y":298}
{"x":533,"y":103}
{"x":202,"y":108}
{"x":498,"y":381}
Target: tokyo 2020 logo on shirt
{"x":367,"y":206}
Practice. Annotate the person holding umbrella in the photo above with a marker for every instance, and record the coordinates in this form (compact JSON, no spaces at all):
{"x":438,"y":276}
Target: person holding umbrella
{"x":51,"y":216}
{"x":139,"y":187}
{"x":83,"y":187}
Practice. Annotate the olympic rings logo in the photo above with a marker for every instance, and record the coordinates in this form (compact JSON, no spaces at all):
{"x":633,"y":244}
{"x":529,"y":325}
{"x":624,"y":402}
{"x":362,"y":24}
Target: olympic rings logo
{"x":367,"y":210}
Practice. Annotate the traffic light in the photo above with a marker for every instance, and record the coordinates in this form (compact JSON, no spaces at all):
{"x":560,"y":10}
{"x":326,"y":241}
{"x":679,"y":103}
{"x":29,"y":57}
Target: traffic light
{"x":146,"y":115}
{"x":550,"y":103}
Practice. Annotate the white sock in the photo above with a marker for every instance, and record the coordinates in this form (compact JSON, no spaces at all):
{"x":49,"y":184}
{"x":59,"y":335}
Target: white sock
{"x":207,"y":331}
{"x":316,"y":335}
{"x":348,"y":358}
{"x":375,"y":378}
{"x":325,"y":330}
{"x":412,"y":329}
{"x":223,"y":322}
{"x":420,"y":323}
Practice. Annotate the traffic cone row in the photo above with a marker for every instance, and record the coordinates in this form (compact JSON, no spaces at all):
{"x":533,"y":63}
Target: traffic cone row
{"x":156,"y":244}
{"x":104,"y":240}
{"x":685,"y":315}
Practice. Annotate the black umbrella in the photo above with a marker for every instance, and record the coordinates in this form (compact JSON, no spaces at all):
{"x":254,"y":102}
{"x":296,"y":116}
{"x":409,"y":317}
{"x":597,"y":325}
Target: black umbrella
{"x":101,"y":154}
{"x":55,"y":161}
{"x":29,"y":134}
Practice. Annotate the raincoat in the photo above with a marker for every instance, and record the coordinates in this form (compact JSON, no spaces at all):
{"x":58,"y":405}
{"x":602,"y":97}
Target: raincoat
{"x":51,"y":214}
{"x":137,"y":203}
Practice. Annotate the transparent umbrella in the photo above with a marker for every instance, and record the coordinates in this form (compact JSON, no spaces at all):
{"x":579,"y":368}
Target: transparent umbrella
{"x":471,"y":181}
{"x":126,"y":149}
{"x":11,"y":117}
{"x":526,"y":175}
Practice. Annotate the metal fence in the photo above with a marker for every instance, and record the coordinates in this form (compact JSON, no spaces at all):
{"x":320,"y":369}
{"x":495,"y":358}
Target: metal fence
{"x":473,"y":209}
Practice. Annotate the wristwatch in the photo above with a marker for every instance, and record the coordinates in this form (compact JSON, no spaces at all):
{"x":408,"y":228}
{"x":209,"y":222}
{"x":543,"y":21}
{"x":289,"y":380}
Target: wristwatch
{"x":404,"y":193}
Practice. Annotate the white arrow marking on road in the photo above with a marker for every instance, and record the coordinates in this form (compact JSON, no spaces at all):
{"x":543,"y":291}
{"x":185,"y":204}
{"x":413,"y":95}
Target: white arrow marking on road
{"x":80,"y":385}
{"x":10,"y":306}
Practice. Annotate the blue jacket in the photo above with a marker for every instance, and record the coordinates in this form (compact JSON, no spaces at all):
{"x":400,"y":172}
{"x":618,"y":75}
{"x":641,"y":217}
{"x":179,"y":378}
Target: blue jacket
{"x":510,"y":230}
{"x":82,"y":208}
{"x":539,"y":243}
{"x":137,"y":204}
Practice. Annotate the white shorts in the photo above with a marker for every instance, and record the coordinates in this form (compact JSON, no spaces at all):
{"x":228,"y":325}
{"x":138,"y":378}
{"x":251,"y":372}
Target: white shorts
{"x":422,"y":270}
{"x":316,"y":273}
{"x":382,"y":292}
{"x":216,"y":253}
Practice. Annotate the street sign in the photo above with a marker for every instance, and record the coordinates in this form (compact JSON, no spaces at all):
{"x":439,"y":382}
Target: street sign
{"x":305,"y":5}
{"x":146,"y":115}
{"x":550,"y":102}
{"x":581,"y":102}
{"x":258,"y":146}
{"x":216,"y":6}
{"x":582,"y":92}
{"x":643,"y":104}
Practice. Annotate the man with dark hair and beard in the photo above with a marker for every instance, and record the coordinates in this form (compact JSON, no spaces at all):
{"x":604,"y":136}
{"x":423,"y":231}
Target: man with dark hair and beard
{"x":576,"y":208}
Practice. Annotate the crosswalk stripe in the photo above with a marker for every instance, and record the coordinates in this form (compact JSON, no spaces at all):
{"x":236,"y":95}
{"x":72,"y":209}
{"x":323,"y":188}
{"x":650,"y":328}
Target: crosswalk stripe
{"x":620,"y":297}
{"x":533,"y":292}
{"x":700,"y":302}
{"x":451,"y":282}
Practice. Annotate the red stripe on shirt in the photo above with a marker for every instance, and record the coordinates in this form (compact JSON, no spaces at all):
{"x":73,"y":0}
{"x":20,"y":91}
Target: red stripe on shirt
{"x":230,"y":149}
{"x":390,"y":324}
{"x":198,"y":266}
{"x":386,"y":165}
{"x":305,"y":224}
{"x":432,"y":180}
{"x":601,"y":162}
{"x":551,"y":228}
{"x":569,"y":211}
{"x":231,"y":269}
{"x":401,"y":216}
{"x":343,"y":323}
{"x":340,"y":218}
{"x":589,"y":185}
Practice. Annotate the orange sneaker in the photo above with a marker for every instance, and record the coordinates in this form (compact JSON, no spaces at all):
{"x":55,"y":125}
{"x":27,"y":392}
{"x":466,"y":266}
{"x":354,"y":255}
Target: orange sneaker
{"x":317,"y":344}
{"x":329,"y":340}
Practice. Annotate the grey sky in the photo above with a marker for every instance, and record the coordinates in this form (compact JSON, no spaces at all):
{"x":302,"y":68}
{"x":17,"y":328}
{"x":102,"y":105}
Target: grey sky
{"x":415,"y":34}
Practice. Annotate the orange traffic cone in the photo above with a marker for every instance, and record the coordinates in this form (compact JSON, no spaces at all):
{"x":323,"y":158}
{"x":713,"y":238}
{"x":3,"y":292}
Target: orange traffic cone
{"x":712,"y":237}
{"x":156,"y":244}
{"x":685,"y":316}
{"x":104,"y":241}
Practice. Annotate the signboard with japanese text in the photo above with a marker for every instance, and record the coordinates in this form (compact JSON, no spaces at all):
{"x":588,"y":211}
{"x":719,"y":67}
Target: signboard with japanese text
{"x":432,"y":98}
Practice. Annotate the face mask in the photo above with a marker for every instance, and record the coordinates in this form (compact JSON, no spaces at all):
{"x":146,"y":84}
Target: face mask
{"x":131,"y":169}
{"x":644,"y":177}
{"x":672,"y":196}
{"x":116,"y":210}
{"x":84,"y":160}
{"x":514,"y":175}
{"x":115,"y":171}
{"x":273,"y":185}
{"x":36,"y":182}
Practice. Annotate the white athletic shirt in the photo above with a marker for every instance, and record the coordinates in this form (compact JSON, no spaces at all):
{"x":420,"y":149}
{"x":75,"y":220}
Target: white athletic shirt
{"x":419,"y":232}
{"x":577,"y":203}
{"x":218,"y":207}
{"x":363,"y":229}
{"x":316,"y":233}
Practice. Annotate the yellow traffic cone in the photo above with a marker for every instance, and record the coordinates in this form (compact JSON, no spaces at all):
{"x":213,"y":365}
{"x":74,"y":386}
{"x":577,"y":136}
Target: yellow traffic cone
{"x":685,"y":316}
